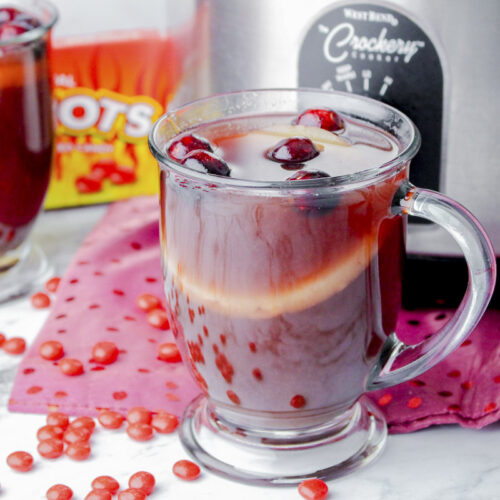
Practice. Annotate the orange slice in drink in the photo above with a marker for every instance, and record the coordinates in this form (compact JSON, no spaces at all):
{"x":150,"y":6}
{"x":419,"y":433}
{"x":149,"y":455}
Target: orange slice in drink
{"x":268,"y":304}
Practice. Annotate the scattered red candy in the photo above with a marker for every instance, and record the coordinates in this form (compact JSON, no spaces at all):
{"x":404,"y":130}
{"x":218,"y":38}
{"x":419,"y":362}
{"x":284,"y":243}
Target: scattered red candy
{"x":143,"y":481}
{"x":322,"y":118}
{"x":71,"y":367}
{"x":78,"y":451}
{"x":293,"y":150}
{"x":110,"y":419}
{"x":147,"y":302}
{"x":181,"y":147}
{"x":59,"y":419}
{"x":205,"y":162}
{"x":313,"y":489}
{"x":40,"y":300}
{"x":49,"y":432}
{"x":59,"y":492}
{"x":87,"y":184}
{"x":15,"y":345}
{"x":86,"y":422}
{"x":51,"y":350}
{"x":164,"y":423}
{"x":105,"y":352}
{"x":78,"y":435}
{"x":131,"y":494}
{"x":20,"y":461}
{"x":2,"y":339}
{"x":139,"y":415}
{"x":140,"y":432}
{"x":186,"y":470}
{"x":99,"y":495}
{"x":50,"y":448}
{"x":158,"y":318}
{"x":53,"y":284}
{"x":107,"y":483}
{"x":169,"y":352}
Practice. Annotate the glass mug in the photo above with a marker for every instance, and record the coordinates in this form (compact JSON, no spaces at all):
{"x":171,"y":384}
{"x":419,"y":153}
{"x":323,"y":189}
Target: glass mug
{"x":26,"y":132}
{"x":285,"y":318}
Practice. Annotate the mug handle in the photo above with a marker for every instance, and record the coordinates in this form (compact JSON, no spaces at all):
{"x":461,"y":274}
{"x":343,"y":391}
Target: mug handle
{"x":481,"y":262}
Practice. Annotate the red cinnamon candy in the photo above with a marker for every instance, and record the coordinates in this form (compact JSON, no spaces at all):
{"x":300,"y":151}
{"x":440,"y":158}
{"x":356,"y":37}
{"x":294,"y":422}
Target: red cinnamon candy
{"x":107,"y":483}
{"x":186,"y":470}
{"x":59,"y":492}
{"x":14,"y":345}
{"x":52,"y":284}
{"x":40,"y":300}
{"x":142,"y":480}
{"x":313,"y":489}
{"x":20,"y":461}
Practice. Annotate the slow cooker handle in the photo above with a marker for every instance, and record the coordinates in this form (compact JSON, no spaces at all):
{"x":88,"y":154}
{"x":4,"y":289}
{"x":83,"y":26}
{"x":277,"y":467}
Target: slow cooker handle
{"x":399,"y":362}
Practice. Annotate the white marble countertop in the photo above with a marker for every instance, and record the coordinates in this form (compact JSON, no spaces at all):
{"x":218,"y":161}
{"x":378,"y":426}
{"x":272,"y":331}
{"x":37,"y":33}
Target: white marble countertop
{"x":440,"y":463}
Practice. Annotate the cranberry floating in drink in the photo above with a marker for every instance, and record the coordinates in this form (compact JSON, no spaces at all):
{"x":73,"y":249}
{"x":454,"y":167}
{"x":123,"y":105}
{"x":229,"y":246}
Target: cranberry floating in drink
{"x":26,"y":138}
{"x":283,"y":287}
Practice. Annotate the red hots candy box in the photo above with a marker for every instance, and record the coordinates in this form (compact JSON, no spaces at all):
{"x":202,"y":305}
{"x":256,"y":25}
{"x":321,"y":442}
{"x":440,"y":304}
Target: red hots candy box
{"x":114,"y":73}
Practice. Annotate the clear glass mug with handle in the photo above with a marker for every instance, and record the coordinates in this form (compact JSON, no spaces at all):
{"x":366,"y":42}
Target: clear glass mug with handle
{"x":283,"y":296}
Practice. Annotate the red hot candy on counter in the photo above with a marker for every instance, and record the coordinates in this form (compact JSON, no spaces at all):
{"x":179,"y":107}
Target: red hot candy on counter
{"x":99,"y":495}
{"x":164,"y":422}
{"x":107,"y":483}
{"x":186,"y":470}
{"x":110,"y":419}
{"x":14,"y":345}
{"x":313,"y":489}
{"x":40,"y":300}
{"x":143,"y":481}
{"x":20,"y":461}
{"x":140,"y":432}
{"x":52,"y":284}
{"x":139,"y":415}
{"x":50,"y":448}
{"x":78,"y":451}
{"x":131,"y":494}
{"x":86,"y":422}
{"x":59,"y":492}
{"x":59,"y":419}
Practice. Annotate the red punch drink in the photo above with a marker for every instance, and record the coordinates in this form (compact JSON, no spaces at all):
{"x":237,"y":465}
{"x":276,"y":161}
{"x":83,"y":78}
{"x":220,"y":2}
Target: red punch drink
{"x":283,"y":301}
{"x":25,"y":128}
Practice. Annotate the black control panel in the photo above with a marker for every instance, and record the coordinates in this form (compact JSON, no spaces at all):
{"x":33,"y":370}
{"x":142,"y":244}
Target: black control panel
{"x":381,"y":53}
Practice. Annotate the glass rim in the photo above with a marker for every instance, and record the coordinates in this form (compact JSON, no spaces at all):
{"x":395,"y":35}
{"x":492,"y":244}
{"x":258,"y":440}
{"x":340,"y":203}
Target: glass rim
{"x":380,"y":171}
{"x":39,"y":31}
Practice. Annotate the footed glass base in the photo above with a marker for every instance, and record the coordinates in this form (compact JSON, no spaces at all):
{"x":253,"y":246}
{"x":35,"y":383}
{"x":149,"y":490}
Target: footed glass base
{"x":27,"y":270}
{"x":339,"y":446}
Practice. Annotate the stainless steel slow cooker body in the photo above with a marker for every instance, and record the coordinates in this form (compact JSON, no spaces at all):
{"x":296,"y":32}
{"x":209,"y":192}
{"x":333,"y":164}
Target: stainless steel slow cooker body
{"x":436,"y":60}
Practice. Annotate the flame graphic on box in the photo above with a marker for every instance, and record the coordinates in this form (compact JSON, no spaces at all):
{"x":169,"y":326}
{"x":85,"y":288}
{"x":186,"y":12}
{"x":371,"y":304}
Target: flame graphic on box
{"x":108,"y":91}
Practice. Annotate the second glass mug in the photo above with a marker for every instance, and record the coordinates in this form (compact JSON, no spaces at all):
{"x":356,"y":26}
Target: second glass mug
{"x":26,"y":138}
{"x":282,"y":349}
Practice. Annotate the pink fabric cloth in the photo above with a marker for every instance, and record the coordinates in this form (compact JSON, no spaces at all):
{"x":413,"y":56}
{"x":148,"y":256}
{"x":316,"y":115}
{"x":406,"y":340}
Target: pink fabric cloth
{"x":96,"y":301}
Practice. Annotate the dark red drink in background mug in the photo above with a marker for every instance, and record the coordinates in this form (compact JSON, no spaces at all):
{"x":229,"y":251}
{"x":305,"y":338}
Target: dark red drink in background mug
{"x":26,"y":137}
{"x":283,"y":217}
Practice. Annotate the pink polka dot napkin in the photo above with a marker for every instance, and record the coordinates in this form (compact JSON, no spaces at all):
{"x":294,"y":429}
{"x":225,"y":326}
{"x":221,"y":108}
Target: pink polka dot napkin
{"x":120,"y":259}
